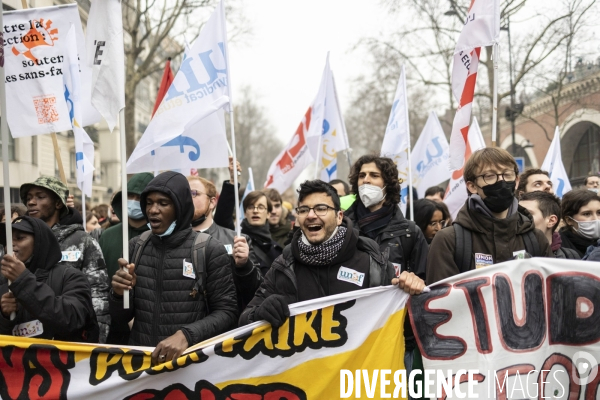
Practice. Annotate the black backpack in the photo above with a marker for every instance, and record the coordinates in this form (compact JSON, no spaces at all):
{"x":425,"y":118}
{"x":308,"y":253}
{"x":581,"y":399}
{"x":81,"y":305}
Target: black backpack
{"x":198,"y":257}
{"x":463,"y":248}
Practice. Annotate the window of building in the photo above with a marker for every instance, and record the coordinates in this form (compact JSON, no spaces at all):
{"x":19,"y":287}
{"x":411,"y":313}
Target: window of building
{"x":15,"y":197}
{"x":11,"y":148}
{"x":587,"y":153}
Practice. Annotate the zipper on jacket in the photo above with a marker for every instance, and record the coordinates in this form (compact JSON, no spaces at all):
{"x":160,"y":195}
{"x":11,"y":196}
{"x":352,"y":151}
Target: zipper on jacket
{"x":157,"y":301}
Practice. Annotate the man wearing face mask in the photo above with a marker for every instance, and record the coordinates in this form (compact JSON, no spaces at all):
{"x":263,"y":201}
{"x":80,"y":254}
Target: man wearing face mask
{"x":376,"y":214}
{"x":491,"y":227}
{"x":111,"y":241}
{"x":246,"y":275}
{"x":179,"y":281}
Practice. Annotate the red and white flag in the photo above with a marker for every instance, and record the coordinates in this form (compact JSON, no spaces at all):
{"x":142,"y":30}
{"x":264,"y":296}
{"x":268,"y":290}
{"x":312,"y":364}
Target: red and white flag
{"x":482,"y":27}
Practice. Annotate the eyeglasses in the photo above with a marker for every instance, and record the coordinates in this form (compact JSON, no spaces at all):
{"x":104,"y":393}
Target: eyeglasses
{"x":197,"y":193}
{"x":319,"y":209}
{"x":259,"y":207}
{"x":490,"y":178}
{"x":441,"y":223}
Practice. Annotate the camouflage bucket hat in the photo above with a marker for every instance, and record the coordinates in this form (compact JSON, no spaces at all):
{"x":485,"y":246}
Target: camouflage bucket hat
{"x":47,"y":182}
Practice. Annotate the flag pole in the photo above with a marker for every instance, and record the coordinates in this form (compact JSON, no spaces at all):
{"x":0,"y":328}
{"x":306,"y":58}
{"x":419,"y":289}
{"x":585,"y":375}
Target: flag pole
{"x":124,"y":218}
{"x":318,"y":165}
{"x":83,"y":210}
{"x":232,"y":127}
{"x":337,"y":103}
{"x":5,"y":173}
{"x":410,"y":191}
{"x":495,"y":95}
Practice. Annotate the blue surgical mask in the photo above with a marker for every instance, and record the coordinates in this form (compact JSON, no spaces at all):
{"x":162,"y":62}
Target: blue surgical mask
{"x":169,"y":230}
{"x":134,"y":211}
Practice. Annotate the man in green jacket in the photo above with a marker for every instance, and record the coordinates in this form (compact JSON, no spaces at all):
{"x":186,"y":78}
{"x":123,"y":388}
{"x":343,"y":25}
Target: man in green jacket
{"x":111,"y":241}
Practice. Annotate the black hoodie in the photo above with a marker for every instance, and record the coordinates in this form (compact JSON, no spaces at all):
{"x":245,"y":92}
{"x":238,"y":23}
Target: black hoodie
{"x":161,"y":300}
{"x":56,"y":295}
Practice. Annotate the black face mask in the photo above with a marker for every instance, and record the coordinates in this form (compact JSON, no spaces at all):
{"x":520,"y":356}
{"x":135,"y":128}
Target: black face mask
{"x":499,"y":196}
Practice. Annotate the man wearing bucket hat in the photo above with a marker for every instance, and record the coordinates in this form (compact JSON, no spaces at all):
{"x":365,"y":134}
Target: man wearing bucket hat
{"x":45,"y":199}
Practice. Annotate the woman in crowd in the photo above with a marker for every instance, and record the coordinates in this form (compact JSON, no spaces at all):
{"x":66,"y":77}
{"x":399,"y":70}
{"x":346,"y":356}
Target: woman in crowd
{"x":257,"y":208}
{"x":51,"y":300}
{"x":431,"y":216}
{"x":581,"y":215}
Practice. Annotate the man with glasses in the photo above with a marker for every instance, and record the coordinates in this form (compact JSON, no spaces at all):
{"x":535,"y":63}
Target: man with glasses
{"x":592,"y":182}
{"x":326,"y":257}
{"x":246,"y":275}
{"x":491,"y":227}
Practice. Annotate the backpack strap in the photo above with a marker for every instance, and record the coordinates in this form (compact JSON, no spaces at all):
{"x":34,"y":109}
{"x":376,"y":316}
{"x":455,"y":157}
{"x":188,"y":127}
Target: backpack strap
{"x":139,"y":247}
{"x":531,"y":244}
{"x":570,"y":254}
{"x":199,"y":262}
{"x":463,"y":248}
{"x":408,"y":243}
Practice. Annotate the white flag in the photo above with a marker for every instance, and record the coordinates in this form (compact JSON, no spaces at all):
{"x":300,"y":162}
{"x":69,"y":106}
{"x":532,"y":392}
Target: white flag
{"x":200,"y":89}
{"x":334,"y":134}
{"x":34,"y":62}
{"x":554,"y":165}
{"x":430,"y":156}
{"x":106,"y":58}
{"x":396,"y":142}
{"x":482,"y":26}
{"x":249,"y":188}
{"x":84,"y":147}
{"x":456,"y":193}
{"x":302,"y":149}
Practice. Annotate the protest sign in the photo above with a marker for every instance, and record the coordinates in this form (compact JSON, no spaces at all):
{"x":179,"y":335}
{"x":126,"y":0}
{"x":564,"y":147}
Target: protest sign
{"x":520,"y":329}
{"x":35,"y":64}
{"x":360,"y":330}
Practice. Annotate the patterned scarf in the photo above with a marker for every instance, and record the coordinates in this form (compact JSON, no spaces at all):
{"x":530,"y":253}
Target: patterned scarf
{"x":323,"y":253}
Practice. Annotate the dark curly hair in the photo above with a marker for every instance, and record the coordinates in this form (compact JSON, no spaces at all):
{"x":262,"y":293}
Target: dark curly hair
{"x":389,"y":173}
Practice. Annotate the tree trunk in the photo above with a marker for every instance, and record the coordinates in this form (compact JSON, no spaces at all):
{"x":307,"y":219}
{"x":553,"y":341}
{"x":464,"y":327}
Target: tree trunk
{"x":130,"y":86}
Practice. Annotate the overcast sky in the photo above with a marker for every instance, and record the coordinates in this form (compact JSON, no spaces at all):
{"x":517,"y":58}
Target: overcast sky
{"x":284,"y":58}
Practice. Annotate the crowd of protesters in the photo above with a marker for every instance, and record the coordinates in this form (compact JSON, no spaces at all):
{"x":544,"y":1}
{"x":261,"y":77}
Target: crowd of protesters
{"x":190,"y":276}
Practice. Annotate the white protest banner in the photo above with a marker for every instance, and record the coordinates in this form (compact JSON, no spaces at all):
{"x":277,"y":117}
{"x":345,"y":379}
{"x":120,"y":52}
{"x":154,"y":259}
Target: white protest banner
{"x":396,"y":142}
{"x":249,"y":188}
{"x":303,"y":147}
{"x":456,"y":192}
{"x":430,"y":156}
{"x":84,"y":147}
{"x":34,"y":62}
{"x":336,"y":335}
{"x":192,"y":109}
{"x":334,"y":137}
{"x":106,"y":58}
{"x":523,"y":329}
{"x":553,"y":164}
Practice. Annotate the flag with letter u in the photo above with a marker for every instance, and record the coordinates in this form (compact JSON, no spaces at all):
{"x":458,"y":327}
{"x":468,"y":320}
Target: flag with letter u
{"x":193,"y":104}
{"x":106,"y":58}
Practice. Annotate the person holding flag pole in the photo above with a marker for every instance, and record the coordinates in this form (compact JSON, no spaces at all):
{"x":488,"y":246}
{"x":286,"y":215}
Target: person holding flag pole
{"x":5,"y":173}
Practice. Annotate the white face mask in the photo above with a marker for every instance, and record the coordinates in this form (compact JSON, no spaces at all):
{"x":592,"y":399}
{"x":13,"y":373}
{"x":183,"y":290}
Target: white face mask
{"x":595,"y":190}
{"x":588,"y":229}
{"x":370,"y":194}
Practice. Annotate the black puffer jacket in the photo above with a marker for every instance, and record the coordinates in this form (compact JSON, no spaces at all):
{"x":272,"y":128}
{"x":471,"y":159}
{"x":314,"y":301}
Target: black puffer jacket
{"x":161,"y":300}
{"x":56,"y":295}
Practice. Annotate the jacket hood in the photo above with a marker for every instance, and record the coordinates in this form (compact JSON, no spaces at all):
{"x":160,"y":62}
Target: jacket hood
{"x":64,"y":231}
{"x":176,"y":186}
{"x":136,"y":185}
{"x":519,"y":223}
{"x":46,"y":250}
{"x":71,"y":217}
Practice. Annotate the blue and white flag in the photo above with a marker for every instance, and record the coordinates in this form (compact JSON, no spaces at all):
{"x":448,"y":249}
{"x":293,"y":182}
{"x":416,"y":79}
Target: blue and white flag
{"x":430,"y":156}
{"x":249,"y":188}
{"x":334,"y":138}
{"x":554,"y":165}
{"x":188,"y":129}
{"x":396,"y":142}
{"x":84,"y":147}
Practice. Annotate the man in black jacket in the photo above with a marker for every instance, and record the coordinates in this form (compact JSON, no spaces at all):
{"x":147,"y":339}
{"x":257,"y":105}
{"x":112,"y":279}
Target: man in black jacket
{"x":246,"y":275}
{"x":170,"y":311}
{"x":51,"y":300}
{"x":376,"y":214}
{"x":326,"y":257}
